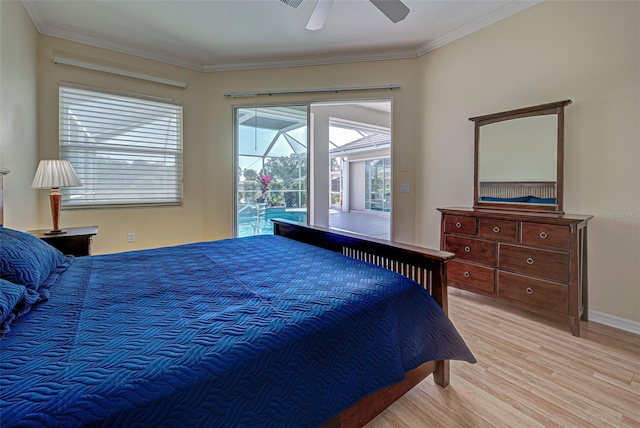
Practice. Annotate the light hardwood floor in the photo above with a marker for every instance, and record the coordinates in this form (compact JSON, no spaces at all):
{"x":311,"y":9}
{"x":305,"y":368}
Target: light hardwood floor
{"x":531,"y":372}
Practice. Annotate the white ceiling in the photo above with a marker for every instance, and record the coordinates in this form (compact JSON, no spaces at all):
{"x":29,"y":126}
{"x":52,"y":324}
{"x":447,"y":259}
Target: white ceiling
{"x":243,"y":34}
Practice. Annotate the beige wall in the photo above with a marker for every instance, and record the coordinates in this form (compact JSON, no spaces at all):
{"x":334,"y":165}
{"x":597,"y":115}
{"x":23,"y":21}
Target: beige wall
{"x":18,"y":114}
{"x":153,"y":227}
{"x":584,"y":51}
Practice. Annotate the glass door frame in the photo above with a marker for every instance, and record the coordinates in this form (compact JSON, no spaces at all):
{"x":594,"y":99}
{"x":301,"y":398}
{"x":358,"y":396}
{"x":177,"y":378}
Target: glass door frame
{"x":236,"y":152}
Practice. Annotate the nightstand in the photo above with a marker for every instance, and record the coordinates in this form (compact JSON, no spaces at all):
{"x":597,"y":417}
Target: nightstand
{"x":76,"y":241}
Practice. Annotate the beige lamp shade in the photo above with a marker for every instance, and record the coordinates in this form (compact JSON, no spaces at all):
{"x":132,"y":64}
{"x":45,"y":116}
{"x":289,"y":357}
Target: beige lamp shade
{"x":53,"y":174}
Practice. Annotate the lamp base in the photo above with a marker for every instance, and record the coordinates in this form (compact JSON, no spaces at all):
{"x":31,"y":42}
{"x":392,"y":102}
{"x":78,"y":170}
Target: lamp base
{"x":56,"y":232}
{"x":55,"y":199}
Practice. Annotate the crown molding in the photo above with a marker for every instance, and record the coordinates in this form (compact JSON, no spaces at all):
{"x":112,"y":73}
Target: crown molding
{"x":381,"y":55}
{"x":484,"y":21}
{"x":507,"y":10}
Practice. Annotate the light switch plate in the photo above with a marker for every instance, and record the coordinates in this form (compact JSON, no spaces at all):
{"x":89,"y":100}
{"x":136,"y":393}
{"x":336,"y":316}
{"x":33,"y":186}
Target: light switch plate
{"x":404,"y":188}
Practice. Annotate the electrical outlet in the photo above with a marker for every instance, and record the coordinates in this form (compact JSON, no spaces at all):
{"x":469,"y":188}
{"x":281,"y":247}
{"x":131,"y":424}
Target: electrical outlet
{"x":403,"y":166}
{"x":131,"y":237}
{"x":404,"y":188}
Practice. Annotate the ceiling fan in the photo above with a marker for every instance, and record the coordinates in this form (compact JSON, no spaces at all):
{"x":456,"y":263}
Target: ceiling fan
{"x":395,"y":10}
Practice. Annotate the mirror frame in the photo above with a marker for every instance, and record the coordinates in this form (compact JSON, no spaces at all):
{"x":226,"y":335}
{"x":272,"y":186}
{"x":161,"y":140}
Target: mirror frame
{"x":556,"y":108}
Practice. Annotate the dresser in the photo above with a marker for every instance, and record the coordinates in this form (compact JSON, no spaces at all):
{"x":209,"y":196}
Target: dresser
{"x":534,"y":261}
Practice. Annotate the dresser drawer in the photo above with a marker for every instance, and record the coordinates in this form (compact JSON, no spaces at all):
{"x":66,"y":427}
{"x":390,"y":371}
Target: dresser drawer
{"x":460,"y":224}
{"x":471,"y":275}
{"x":502,"y":230}
{"x":548,"y":295}
{"x":545,"y":235}
{"x":546,"y":264}
{"x":473,"y":250}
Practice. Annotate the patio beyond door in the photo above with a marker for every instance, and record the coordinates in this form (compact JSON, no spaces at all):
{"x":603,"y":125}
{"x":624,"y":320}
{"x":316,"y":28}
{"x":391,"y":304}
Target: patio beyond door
{"x":271,"y":161}
{"x":353,"y":190}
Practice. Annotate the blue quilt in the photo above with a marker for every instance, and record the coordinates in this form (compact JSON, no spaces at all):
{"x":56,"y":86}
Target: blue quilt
{"x":259,"y":331}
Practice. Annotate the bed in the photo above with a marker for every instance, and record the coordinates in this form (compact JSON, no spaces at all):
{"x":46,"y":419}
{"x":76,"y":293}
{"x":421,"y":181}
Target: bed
{"x":259,"y":331}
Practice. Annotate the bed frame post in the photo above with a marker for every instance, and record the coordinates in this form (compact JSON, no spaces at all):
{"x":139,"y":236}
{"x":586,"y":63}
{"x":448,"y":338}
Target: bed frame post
{"x":439,"y":292}
{"x":439,"y":287}
{"x":3,"y":172}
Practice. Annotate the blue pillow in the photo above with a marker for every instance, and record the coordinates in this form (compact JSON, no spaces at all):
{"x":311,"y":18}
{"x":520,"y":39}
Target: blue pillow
{"x":10,"y":295}
{"x":25,"y":259}
{"x":15,"y":300}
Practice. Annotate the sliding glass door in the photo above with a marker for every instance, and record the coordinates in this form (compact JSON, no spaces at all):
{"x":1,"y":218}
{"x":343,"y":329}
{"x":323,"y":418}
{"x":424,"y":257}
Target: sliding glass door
{"x":344,"y":155}
{"x":378,"y":185}
{"x":271,"y":151}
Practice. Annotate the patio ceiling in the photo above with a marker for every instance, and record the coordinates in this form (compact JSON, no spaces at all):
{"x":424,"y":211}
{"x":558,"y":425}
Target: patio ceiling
{"x":269,"y":132}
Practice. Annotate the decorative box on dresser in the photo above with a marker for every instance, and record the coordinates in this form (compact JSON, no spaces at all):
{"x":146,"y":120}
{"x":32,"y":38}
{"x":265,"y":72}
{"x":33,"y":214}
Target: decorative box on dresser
{"x":535,"y":261}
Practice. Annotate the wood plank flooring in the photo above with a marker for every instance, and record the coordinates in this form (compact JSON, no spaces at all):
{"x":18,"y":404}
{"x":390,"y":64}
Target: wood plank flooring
{"x":531,"y":372}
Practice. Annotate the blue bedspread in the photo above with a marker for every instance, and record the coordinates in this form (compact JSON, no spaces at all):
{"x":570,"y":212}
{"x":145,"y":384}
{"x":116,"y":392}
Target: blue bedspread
{"x":260,"y":331}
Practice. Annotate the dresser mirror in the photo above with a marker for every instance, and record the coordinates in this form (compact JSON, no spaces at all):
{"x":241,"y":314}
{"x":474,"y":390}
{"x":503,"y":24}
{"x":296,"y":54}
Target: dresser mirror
{"x":519,"y":158}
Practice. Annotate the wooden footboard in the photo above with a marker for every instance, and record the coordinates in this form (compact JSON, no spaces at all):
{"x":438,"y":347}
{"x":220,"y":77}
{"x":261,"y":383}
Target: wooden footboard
{"x":425,"y":266}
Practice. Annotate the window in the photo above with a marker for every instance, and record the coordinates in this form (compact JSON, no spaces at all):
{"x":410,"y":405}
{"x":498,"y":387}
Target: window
{"x":126,"y":149}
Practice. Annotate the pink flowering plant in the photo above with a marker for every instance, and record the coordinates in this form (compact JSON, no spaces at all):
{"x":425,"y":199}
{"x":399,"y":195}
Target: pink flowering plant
{"x":265,"y":183}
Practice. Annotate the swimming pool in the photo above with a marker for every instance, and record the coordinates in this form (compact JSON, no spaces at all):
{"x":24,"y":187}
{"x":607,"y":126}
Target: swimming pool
{"x":262,"y":225}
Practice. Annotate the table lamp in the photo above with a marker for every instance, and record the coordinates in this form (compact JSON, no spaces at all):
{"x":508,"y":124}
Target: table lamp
{"x":54,"y":174}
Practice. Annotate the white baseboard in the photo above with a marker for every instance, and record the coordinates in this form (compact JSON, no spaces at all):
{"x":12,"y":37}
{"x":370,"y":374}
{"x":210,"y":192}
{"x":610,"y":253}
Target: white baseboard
{"x":615,"y":322}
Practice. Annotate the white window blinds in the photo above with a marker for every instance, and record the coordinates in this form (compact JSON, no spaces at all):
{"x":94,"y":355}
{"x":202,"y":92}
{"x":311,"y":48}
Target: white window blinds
{"x":126,"y":149}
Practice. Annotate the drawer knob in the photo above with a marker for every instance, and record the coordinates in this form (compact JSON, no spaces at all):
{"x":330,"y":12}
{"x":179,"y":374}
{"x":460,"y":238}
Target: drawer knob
{"x":467,"y":249}
{"x":467,"y":275}
{"x":530,"y":261}
{"x":496,"y":229}
{"x":543,"y":235}
{"x":529,"y":290}
{"x":458,"y":225}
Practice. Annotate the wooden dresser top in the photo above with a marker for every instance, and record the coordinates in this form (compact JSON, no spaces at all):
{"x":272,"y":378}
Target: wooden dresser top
{"x":555,"y":218}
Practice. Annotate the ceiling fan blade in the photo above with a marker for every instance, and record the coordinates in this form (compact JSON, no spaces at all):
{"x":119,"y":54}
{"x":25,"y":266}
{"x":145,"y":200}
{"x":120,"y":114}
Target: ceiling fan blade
{"x":319,"y":14}
{"x":395,"y":10}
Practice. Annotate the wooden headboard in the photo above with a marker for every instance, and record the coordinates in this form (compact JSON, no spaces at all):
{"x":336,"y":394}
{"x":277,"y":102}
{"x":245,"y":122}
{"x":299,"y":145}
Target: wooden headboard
{"x":3,"y":172}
